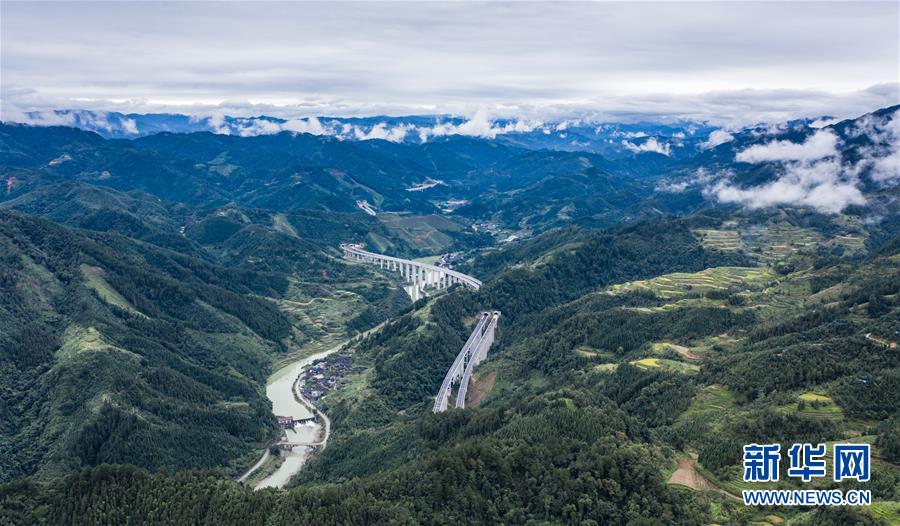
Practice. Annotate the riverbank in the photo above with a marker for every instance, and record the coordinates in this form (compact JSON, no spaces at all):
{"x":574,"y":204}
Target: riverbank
{"x":281,"y":389}
{"x":284,"y":391}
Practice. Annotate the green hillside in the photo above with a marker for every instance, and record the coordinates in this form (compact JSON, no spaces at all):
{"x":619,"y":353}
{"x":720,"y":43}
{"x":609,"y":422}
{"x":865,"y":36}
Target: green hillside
{"x":148,"y":289}
{"x":120,"y":352}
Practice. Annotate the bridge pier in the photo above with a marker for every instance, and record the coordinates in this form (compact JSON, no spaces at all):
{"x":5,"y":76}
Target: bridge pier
{"x":422,"y":276}
{"x":473,"y":352}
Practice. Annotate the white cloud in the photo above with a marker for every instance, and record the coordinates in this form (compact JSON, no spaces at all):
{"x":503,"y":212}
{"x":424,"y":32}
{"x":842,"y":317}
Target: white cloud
{"x":814,"y":173}
{"x":217,"y":123}
{"x":383,"y":131}
{"x":818,"y":146}
{"x":673,"y":187}
{"x":882,"y":159}
{"x":258,"y":127}
{"x":700,"y":178}
{"x":311,"y":125}
{"x":887,"y":169}
{"x":593,"y":58}
{"x":650,"y":145}
{"x":129,"y":126}
{"x":479,"y":125}
{"x":39,"y":118}
{"x":823,"y":122}
{"x":822,"y":185}
{"x":716,"y":138}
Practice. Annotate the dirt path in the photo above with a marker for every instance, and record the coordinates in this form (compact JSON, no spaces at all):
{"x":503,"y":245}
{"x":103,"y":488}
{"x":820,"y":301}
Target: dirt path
{"x":687,"y":475}
{"x":684,"y":351}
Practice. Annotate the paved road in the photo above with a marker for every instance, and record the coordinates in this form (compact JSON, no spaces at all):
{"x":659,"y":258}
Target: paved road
{"x":256,"y":466}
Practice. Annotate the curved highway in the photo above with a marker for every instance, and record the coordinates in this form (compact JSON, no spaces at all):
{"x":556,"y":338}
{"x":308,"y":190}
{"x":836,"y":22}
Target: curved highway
{"x":476,"y":354}
{"x":472,"y":353}
{"x":421,"y":274}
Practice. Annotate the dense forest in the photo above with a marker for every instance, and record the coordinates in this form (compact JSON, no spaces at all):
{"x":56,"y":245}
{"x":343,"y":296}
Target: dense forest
{"x":561,"y":438}
{"x":566,"y":370}
{"x":120,"y":352}
{"x":148,"y":289}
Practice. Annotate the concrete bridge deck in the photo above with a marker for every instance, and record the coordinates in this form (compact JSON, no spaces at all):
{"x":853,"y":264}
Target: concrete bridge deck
{"x":472,"y":353}
{"x":421,"y":275}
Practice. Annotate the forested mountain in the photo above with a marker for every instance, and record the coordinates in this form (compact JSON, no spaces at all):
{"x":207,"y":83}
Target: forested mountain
{"x":508,"y":185}
{"x":120,"y":351}
{"x":117,"y":352}
{"x":520,"y":188}
{"x":656,"y":353}
{"x":650,"y":327}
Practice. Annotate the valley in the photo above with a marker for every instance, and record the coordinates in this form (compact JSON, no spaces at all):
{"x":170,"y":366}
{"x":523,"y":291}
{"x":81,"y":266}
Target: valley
{"x":303,"y":440}
{"x":295,"y":263}
{"x":215,"y":334}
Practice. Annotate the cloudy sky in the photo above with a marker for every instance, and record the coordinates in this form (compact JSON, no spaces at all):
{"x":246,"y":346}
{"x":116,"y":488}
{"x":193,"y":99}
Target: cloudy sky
{"x":723,"y":61}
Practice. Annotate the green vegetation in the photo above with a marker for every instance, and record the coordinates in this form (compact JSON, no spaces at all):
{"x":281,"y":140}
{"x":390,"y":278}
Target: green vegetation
{"x":668,"y":365}
{"x":107,"y":357}
{"x":122,"y":352}
{"x":432,"y":234}
{"x":595,"y":376}
{"x":593,"y":350}
{"x":138,"y":329}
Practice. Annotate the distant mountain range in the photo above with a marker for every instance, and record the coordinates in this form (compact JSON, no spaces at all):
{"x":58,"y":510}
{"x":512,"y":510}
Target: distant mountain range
{"x":664,"y":290}
{"x":521,"y":179}
{"x":615,"y":140}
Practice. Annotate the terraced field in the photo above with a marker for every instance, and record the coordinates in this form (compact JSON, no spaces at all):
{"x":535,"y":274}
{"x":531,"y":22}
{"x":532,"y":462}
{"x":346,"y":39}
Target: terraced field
{"x":321,"y":321}
{"x":711,"y":344}
{"x":815,"y":405}
{"x":727,"y":240}
{"x":711,"y":401}
{"x":888,"y":511}
{"x":680,"y":284}
{"x":667,"y":365}
{"x":777,"y":240}
{"x":681,"y":350}
{"x":428,"y":233}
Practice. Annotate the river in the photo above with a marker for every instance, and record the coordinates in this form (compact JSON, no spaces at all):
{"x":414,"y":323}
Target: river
{"x":280,"y":390}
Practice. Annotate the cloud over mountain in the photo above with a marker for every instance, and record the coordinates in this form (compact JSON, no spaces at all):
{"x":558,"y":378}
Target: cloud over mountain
{"x":716,"y":138}
{"x":816,"y":172}
{"x":650,"y":145}
{"x":819,"y":145}
{"x":822,"y":185}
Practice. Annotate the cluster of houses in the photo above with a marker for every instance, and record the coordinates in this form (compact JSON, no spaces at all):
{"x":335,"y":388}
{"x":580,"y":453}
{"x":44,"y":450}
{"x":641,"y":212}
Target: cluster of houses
{"x":486,"y":226}
{"x":448,"y":260}
{"x":322,"y":377}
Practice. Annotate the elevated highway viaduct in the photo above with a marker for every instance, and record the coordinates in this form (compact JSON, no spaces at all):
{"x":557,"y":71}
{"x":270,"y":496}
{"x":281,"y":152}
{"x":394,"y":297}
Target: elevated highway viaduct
{"x":424,"y":276}
{"x":472,"y":353}
{"x":421,"y":275}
